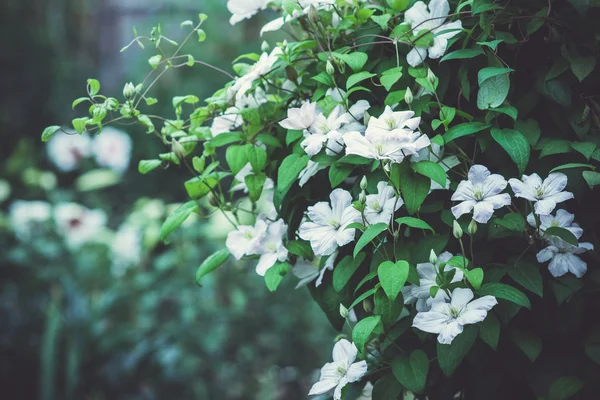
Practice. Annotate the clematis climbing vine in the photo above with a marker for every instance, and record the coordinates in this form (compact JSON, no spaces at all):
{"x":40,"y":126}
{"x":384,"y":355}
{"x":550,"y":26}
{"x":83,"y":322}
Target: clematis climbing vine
{"x":417,"y":166}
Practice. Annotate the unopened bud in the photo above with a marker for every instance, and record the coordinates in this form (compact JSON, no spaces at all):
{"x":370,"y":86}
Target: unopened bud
{"x":329,"y":68}
{"x":178,"y":149}
{"x":408,"y":96}
{"x":129,"y":90}
{"x":313,"y":14}
{"x":363,"y":183}
{"x":472,"y":228}
{"x":213,"y":200}
{"x":367,"y":305}
{"x":343,"y":311}
{"x":265,"y":47}
{"x":431,"y":76}
{"x":457,"y":230}
{"x":362,"y":197}
{"x":433,"y":258}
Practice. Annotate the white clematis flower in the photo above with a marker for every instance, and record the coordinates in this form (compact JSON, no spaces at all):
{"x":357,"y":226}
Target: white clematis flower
{"x":481,"y":194}
{"x":67,"y":151}
{"x":271,"y":248}
{"x":126,"y":249}
{"x":244,"y":9}
{"x":563,"y":257}
{"x":391,"y":137}
{"x":26,"y":216}
{"x":312,"y":168}
{"x":341,"y":371}
{"x":380,"y":207}
{"x":435,"y":153}
{"x":278,"y":23}
{"x":112,"y":148}
{"x":326,"y":229}
{"x":562,"y":219}
{"x":448,"y":319}
{"x":78,"y":224}
{"x":432,"y":19}
{"x":262,"y":67}
{"x":308,"y":271}
{"x":301,"y":118}
{"x":326,"y":131}
{"x":545,"y":194}
{"x":427,"y":279}
{"x":246,"y":239}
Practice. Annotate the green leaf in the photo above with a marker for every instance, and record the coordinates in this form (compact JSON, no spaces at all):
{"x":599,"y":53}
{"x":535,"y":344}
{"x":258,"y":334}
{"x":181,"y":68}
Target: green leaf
{"x":386,"y":388}
{"x":493,"y":92}
{"x":582,"y":67}
{"x":147,"y":122}
{"x":154,"y":61}
{"x":237,"y":158}
{"x":489,"y":330}
{"x":564,"y":388}
{"x":530,"y":129}
{"x":257,"y":157}
{"x":367,"y":237}
{"x":592,"y":178}
{"x":515,"y":145}
{"x":356,"y":60}
{"x":97,"y":179}
{"x":529,"y":343}
{"x":358,"y":77}
{"x":48,"y":132}
{"x":398,"y":5}
{"x":93,"y":86}
{"x":78,"y":101}
{"x":381,"y":20}
{"x":506,"y":292}
{"x":388,"y":309}
{"x":362,"y":297}
{"x":393,"y":277}
{"x":463,"y":54}
{"x":412,"y":371}
{"x":343,"y":271}
{"x":176,"y":218}
{"x":414,"y":187}
{"x":287,"y":174}
{"x":146,"y":166}
{"x":538,"y":20}
{"x":199,"y":187}
{"x":362,"y":331}
{"x":585,"y":148}
{"x":562,"y":233}
{"x":431,"y":170}
{"x":390,"y":77}
{"x":255,"y":184}
{"x":493,"y":44}
{"x":513,"y":221}
{"x":300,"y":248}
{"x":79,"y":124}
{"x":490,"y":72}
{"x":213,"y":262}
{"x":451,"y":355}
{"x":528,"y":275}
{"x":571,"y":166}
{"x":275,"y":274}
{"x":289,"y":6}
{"x":338,"y":174}
{"x":507,"y":110}
{"x":553,"y":146}
{"x":465,"y":129}
{"x":414,"y":223}
{"x":475,"y":277}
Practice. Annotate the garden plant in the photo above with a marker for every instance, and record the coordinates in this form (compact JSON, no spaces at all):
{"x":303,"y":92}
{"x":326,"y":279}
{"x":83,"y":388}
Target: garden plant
{"x":426,"y":169}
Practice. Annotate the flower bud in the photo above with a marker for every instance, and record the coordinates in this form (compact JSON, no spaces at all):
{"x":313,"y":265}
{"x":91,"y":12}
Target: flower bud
{"x":313,"y":14}
{"x":472,"y":228}
{"x":129,"y":90}
{"x":362,"y":197}
{"x":433,"y":257}
{"x":329,"y":68}
{"x":367,"y":305}
{"x":408,"y":96}
{"x":457,"y":230}
{"x":213,"y":200}
{"x":178,"y":149}
{"x":343,"y":311}
{"x":431,"y":77}
{"x":363,"y":183}
{"x":265,"y":47}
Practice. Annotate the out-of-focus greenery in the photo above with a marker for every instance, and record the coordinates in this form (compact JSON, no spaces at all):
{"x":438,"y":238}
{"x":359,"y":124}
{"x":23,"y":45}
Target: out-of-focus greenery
{"x":73,"y":327}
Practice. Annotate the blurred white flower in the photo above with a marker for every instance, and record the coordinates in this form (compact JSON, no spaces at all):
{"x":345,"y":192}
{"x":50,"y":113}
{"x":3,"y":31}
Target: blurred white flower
{"x":423,"y":19}
{"x":545,"y":194}
{"x":271,"y":248}
{"x":326,"y":131}
{"x":308,"y":271}
{"x":262,"y":67}
{"x":301,"y":118}
{"x":112,"y":149}
{"x":278,"y":23}
{"x":562,"y":219}
{"x":26,"y":216}
{"x":326,"y":229}
{"x":244,"y":9}
{"x":246,"y":239}
{"x":66,"y":151}
{"x":241,"y":176}
{"x":448,"y":319}
{"x":312,"y":168}
{"x":341,"y":371}
{"x":126,"y":249}
{"x":563,"y":257}
{"x":78,"y":224}
{"x":480,"y":194}
{"x":428,"y":278}
{"x":380,"y":207}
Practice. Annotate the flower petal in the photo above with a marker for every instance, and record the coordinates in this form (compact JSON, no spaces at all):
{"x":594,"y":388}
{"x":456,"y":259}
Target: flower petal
{"x":521,"y":189}
{"x":463,"y":208}
{"x":356,"y":371}
{"x":554,"y":183}
{"x":544,"y":207}
{"x":478,"y":174}
{"x":430,"y":321}
{"x":344,"y":352}
{"x":461,"y":297}
{"x":449,"y":332}
{"x":546,"y":254}
{"x":483,"y":211}
{"x":416,"y":56}
{"x":559,"y":265}
{"x":329,"y":379}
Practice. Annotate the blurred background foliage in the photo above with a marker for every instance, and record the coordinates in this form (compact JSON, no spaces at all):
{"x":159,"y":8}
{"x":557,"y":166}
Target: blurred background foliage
{"x":74,"y":322}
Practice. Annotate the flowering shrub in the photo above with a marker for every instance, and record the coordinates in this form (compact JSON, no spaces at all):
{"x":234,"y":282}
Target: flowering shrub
{"x":416,"y":165}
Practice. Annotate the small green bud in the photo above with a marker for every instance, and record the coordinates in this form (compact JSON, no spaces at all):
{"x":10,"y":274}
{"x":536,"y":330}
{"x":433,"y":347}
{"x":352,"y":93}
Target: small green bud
{"x":343,"y":311}
{"x":313,"y":14}
{"x":265,"y":47}
{"x":139,"y":88}
{"x":363,"y":183}
{"x":431,"y":77}
{"x":457,"y":230}
{"x":433,"y":257}
{"x":329,"y":68}
{"x":362,"y":197}
{"x":472,"y":228}
{"x":178,"y":149}
{"x":408,"y":96}
{"x":129,"y":90}
{"x":367,"y":305}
